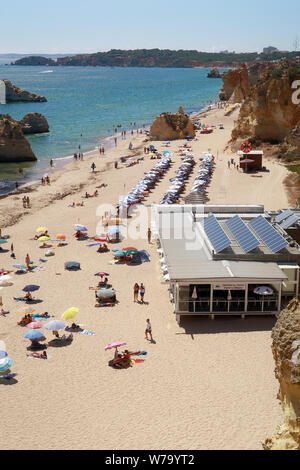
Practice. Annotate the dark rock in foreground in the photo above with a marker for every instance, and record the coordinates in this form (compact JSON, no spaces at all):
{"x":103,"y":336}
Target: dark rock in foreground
{"x":15,"y":94}
{"x":14,"y":147}
{"x":34,"y":123}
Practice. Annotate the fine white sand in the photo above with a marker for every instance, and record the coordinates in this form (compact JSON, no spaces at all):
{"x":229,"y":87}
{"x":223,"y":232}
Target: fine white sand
{"x":204,"y":385}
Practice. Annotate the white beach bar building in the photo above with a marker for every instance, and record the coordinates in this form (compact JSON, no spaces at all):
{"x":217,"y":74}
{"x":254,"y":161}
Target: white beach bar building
{"x":225,"y":260}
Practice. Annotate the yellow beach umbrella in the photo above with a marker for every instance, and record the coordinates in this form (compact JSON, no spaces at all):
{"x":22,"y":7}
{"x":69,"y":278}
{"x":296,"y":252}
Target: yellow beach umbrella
{"x":41,"y":230}
{"x":44,"y":239}
{"x":70,"y":314}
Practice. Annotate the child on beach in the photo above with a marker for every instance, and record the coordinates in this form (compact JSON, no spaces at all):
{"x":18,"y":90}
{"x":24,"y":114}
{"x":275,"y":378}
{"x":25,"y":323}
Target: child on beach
{"x":148,"y":330}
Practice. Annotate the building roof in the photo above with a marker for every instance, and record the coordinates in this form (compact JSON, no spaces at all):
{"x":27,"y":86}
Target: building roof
{"x":189,"y":255}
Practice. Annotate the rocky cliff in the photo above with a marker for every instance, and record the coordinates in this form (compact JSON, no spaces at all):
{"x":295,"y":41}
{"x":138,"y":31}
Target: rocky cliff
{"x":34,"y":123}
{"x":236,"y":85}
{"x":286,"y":352}
{"x":268,"y":111}
{"x":14,"y":147}
{"x":172,"y":126}
{"x":13,"y":94}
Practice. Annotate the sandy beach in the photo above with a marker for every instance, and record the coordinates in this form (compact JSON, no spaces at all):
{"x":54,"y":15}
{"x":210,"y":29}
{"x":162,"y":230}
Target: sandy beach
{"x":204,"y":385}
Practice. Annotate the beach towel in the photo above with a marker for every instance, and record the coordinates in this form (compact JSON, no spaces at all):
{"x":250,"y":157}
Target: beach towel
{"x":39,"y":359}
{"x":138,"y":361}
{"x":87,"y":333}
{"x":43,"y":260}
{"x":93,"y":244}
{"x":10,"y":376}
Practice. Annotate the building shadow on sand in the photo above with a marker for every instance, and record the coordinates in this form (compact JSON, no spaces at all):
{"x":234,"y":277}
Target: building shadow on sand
{"x":205,"y":326}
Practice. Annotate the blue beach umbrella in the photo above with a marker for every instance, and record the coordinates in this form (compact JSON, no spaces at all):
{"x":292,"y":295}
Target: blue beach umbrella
{"x":118,"y":254}
{"x":114,"y":229}
{"x":31,"y":288}
{"x":3,"y":354}
{"x":5,"y":364}
{"x":80,"y":228}
{"x":34,"y":335}
{"x":20,"y":266}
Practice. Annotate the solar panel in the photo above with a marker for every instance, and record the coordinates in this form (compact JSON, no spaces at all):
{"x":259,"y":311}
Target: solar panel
{"x":242,"y":234}
{"x":289,"y":222}
{"x":216,"y":234}
{"x":274,"y":241}
{"x":284,"y":215}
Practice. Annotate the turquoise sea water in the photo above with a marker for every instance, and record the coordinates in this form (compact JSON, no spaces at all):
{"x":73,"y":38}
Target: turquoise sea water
{"x":86,"y":103}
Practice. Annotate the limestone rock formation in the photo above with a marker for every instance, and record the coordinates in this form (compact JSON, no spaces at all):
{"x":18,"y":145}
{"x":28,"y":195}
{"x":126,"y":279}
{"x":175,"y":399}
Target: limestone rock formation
{"x":14,"y":147}
{"x":290,"y":147}
{"x":214,"y":73}
{"x":15,"y":94}
{"x":268,"y":112}
{"x":236,"y":85}
{"x":34,"y":123}
{"x":286,"y":352}
{"x":172,"y":126}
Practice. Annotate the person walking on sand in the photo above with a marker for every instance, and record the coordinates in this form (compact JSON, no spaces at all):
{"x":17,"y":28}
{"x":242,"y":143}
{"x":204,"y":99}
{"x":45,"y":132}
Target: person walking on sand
{"x":142,"y":293}
{"x":136,"y":289}
{"x":27,"y":261}
{"x":148,"y":330}
{"x":93,"y":166}
{"x":28,"y":201}
{"x":149,"y":235}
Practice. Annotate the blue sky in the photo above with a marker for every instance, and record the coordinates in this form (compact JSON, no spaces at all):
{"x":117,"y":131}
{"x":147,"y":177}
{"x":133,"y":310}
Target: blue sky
{"x":69,"y":26}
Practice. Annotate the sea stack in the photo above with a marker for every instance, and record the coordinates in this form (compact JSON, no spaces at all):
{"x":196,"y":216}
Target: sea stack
{"x":15,"y":94}
{"x":14,"y":147}
{"x":34,"y":123}
{"x":286,"y":352}
{"x":172,"y":126}
{"x":214,"y":73}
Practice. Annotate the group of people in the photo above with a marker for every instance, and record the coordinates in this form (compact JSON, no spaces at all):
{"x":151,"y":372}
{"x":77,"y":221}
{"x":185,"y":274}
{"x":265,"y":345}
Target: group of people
{"x":78,"y":156}
{"x":45,"y":180}
{"x":139,"y":290}
{"x":26,"y":202}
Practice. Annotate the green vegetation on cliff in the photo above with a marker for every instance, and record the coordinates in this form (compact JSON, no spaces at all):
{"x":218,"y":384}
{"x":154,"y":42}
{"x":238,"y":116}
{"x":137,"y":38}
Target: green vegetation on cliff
{"x":155,"y":58}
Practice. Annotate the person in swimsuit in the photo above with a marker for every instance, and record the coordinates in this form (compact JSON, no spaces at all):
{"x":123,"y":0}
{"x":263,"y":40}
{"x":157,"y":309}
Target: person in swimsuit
{"x":142,"y":292}
{"x":136,"y":289}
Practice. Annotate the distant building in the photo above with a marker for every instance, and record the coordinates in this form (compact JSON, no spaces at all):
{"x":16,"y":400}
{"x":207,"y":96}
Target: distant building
{"x":270,"y":50}
{"x":227,"y":52}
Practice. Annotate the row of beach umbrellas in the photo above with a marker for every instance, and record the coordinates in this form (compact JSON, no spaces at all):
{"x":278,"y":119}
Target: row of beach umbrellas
{"x":178,"y":183}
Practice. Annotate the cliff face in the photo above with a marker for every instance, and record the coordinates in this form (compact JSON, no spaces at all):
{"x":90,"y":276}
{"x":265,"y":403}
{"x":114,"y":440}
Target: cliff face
{"x":268,"y":111}
{"x":236,"y":85}
{"x":13,"y":94}
{"x":14,"y":147}
{"x":290,"y":148}
{"x":286,"y":352}
{"x":34,"y":123}
{"x":172,"y":126}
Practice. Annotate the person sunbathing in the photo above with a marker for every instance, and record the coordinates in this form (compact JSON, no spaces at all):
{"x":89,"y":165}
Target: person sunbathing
{"x":45,"y":245}
{"x":28,"y":297}
{"x":25,"y":320}
{"x":38,"y":356}
{"x":3,"y":312}
{"x":96,"y":193}
{"x":67,"y":338}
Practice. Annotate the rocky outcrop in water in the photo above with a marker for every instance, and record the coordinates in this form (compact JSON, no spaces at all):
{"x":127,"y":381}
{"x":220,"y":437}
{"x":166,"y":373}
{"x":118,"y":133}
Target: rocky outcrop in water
{"x":34,"y":123}
{"x":286,"y":352}
{"x":214,"y":73}
{"x":15,"y":94}
{"x":172,"y":126}
{"x":35,"y":60}
{"x":14,"y":147}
